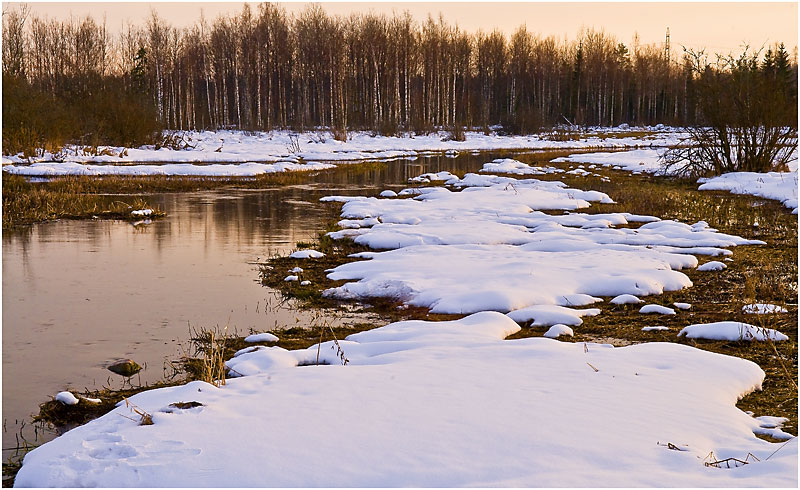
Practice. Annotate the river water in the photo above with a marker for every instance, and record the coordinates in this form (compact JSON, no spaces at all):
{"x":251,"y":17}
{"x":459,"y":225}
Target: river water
{"x":78,"y":295}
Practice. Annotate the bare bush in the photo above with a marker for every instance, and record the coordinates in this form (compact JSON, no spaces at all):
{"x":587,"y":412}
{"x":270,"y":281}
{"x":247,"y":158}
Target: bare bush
{"x":749,"y":116}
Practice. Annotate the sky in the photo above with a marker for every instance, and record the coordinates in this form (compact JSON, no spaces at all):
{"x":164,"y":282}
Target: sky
{"x":722,"y":27}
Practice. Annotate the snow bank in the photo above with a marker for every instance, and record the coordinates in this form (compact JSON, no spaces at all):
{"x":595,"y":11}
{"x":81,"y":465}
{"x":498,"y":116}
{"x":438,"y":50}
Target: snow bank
{"x":644,"y":160}
{"x":733,"y":331}
{"x":781,"y":186}
{"x":426,"y":404}
{"x":183,"y":169}
{"x":267,"y":147}
{"x":488,"y":247}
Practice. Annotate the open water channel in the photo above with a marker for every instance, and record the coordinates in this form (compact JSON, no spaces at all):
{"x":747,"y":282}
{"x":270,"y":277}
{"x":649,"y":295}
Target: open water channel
{"x":78,"y":295}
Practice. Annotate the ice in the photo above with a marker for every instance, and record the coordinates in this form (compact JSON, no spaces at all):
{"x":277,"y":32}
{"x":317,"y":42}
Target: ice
{"x":733,"y":331}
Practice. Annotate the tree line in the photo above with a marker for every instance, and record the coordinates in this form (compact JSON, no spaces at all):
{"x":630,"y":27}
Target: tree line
{"x":263,"y":69}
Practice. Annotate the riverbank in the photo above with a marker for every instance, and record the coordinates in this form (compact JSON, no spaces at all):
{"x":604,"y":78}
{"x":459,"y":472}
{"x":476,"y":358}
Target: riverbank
{"x":469,"y":367}
{"x":276,"y":151}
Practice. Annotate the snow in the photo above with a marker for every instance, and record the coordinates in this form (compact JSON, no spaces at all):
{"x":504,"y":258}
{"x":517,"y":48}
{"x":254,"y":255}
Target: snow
{"x":762,"y":309}
{"x":453,"y":252}
{"x":682,"y":306}
{"x":713,"y":265}
{"x":142,"y":212}
{"x":626,"y":299}
{"x":435,"y":404}
{"x":66,"y":398}
{"x":558,"y":330}
{"x":511,"y":166}
{"x":307,"y":254}
{"x":733,"y":331}
{"x":388,"y":193}
{"x":771,"y":426}
{"x":249,"y":169}
{"x":296,"y":270}
{"x":261,"y":337}
{"x":642,"y":160}
{"x":305,"y":283}
{"x":655,"y":328}
{"x":291,"y":278}
{"x":661,"y":310}
{"x":236,"y":153}
{"x":780,"y":186}
{"x":547,"y":315}
{"x":433,"y":177}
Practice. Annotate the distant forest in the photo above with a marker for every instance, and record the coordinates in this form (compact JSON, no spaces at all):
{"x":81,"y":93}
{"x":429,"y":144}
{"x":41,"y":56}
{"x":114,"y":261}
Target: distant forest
{"x":72,"y":80}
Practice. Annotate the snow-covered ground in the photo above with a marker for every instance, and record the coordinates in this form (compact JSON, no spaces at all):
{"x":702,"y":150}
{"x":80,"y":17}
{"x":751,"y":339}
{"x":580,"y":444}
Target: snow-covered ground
{"x":454,"y":252}
{"x":453,"y":403}
{"x":287,"y":150}
{"x":781,"y":186}
{"x":438,"y":404}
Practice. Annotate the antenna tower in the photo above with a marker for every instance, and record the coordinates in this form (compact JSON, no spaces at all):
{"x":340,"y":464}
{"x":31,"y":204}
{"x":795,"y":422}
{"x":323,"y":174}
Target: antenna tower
{"x":666,"y":46}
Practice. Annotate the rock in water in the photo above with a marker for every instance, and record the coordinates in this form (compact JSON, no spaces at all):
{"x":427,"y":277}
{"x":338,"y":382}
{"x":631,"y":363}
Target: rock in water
{"x":126,"y":368}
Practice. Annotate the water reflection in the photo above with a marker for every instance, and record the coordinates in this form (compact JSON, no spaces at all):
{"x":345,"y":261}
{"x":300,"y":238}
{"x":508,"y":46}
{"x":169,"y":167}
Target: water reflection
{"x":79,"y":294}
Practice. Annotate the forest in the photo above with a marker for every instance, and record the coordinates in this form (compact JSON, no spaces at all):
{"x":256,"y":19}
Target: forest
{"x":74,"y":81}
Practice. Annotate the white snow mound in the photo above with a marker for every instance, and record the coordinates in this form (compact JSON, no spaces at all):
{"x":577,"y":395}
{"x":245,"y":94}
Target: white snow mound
{"x":306,"y":254}
{"x":732,"y":331}
{"x":558,"y":330}
{"x":661,"y":310}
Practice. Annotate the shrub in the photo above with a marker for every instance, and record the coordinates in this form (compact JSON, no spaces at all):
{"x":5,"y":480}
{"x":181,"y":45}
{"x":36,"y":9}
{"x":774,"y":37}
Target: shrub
{"x":749,"y":117}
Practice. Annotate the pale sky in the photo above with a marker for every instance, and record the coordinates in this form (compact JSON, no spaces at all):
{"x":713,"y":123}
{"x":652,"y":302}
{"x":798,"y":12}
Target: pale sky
{"x":719,"y":26}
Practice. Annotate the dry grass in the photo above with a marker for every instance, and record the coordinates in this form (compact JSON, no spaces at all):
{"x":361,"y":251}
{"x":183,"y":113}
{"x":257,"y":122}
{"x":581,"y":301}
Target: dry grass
{"x":25,"y":202}
{"x":765,"y":273}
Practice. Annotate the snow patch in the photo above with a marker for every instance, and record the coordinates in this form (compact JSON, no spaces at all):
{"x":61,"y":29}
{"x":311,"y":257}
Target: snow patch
{"x":732,"y":331}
